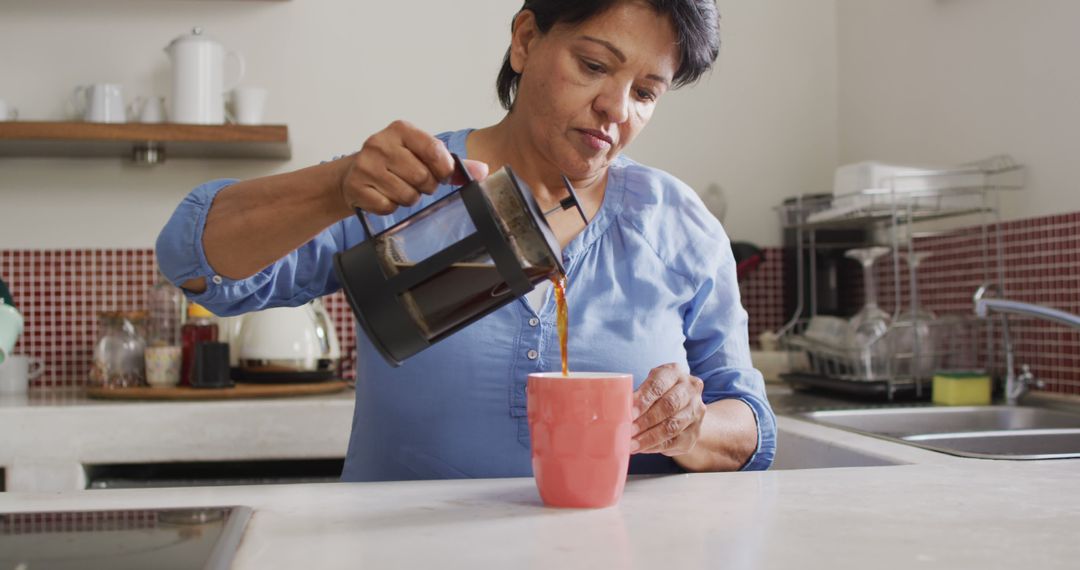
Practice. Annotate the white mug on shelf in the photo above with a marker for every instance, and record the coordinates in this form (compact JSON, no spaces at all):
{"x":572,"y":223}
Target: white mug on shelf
{"x":100,"y":103}
{"x":7,"y":112}
{"x":248,"y":105}
{"x":17,"y":371}
{"x":147,"y":109}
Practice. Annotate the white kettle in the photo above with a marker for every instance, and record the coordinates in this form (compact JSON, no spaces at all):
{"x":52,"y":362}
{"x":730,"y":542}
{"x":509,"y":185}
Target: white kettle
{"x":11,"y":326}
{"x":297,"y":343}
{"x":198,"y":78}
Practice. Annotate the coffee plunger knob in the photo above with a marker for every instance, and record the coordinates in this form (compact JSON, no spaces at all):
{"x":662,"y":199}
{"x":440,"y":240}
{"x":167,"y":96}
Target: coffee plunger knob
{"x":568,"y":202}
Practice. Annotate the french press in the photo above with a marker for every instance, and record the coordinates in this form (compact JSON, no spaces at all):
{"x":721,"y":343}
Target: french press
{"x":450,"y":264}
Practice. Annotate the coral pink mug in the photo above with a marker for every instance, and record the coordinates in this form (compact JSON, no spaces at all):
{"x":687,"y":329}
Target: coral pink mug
{"x":580,"y":428}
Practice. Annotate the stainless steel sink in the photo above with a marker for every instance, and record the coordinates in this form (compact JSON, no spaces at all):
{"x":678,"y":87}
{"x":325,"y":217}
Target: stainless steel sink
{"x":993,"y":432}
{"x":899,"y":422}
{"x":1018,"y":444}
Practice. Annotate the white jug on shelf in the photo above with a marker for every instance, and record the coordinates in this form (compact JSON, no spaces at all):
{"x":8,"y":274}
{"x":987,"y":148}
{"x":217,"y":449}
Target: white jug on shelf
{"x":198,"y":78}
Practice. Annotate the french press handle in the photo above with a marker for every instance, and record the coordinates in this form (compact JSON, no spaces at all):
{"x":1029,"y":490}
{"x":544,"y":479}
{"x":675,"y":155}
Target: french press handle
{"x":459,"y":168}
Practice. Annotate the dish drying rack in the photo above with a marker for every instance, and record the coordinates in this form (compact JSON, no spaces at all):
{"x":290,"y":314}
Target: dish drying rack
{"x":890,"y":210}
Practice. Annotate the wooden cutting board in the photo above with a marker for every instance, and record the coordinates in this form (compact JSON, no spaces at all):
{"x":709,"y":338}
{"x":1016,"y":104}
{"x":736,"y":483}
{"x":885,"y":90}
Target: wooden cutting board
{"x":236,"y":392}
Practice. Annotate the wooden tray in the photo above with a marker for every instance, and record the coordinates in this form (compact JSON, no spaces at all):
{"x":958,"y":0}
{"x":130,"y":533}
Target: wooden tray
{"x":237,"y":392}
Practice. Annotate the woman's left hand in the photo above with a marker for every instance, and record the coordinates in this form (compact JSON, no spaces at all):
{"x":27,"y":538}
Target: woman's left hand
{"x":668,"y":412}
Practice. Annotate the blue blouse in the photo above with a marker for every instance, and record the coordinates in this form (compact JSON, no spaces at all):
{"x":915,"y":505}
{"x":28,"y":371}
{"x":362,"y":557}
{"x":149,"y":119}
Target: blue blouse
{"x":651,"y":281}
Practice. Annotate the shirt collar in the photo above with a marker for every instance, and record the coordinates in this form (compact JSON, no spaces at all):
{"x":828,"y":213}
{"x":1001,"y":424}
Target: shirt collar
{"x":610,"y":206}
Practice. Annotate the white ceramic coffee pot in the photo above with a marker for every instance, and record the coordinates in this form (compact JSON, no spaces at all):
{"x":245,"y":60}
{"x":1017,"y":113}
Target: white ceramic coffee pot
{"x":198,"y":78}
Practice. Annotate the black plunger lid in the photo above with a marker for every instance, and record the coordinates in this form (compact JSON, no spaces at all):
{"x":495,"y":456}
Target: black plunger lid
{"x":536,"y":216}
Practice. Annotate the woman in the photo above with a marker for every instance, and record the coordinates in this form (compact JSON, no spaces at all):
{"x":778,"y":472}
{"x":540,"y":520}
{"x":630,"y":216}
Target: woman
{"x":652,"y":280}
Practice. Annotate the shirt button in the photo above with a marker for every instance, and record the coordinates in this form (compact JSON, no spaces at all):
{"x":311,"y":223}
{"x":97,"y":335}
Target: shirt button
{"x":533,"y":355}
{"x":216,"y":279}
{"x":534,"y":321}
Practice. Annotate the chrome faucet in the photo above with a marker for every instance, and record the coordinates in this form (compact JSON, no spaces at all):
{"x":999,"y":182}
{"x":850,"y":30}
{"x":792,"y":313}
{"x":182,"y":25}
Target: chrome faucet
{"x":1016,"y":386}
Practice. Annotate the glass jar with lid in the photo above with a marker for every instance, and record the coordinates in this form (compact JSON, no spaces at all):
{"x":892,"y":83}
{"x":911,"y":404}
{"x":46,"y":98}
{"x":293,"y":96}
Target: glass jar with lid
{"x":118,"y":353}
{"x":165,"y":316}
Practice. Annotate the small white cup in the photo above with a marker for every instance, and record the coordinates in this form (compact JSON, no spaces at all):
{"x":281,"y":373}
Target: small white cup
{"x":17,"y":371}
{"x":248,"y":105}
{"x":148,"y":109}
{"x":7,"y":112}
{"x":100,"y":103}
{"x":162,"y":366}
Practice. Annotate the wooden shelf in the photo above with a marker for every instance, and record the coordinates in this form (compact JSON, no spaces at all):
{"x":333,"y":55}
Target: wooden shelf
{"x":80,"y":139}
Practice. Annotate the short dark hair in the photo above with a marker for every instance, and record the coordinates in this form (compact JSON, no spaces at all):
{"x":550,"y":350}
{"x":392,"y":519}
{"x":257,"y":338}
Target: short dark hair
{"x":697,"y":26}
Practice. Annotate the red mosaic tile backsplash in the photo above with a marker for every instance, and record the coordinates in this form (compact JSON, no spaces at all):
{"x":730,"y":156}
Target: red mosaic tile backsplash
{"x":79,"y":521}
{"x":1041,"y":264}
{"x":60,"y":293}
{"x":762,"y":293}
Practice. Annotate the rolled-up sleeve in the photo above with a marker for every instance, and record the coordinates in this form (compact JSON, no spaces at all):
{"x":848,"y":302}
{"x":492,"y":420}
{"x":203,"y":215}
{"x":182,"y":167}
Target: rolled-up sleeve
{"x":718,"y":352}
{"x":300,"y":276}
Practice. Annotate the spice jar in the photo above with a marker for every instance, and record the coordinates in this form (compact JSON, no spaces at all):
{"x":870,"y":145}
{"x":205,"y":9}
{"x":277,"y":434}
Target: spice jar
{"x":118,"y":353}
{"x":166,"y":313}
{"x":163,"y":347}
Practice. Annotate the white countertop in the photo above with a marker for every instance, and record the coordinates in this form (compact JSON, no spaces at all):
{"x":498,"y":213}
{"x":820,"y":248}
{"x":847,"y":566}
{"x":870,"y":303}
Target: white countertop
{"x":972,"y":514}
{"x":57,"y":432}
{"x":921,"y":509}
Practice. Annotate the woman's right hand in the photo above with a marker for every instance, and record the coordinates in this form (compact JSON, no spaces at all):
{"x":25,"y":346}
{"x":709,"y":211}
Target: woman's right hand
{"x":398,"y":164}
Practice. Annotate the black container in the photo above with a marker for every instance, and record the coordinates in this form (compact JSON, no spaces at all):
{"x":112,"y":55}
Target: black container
{"x":211,"y":368}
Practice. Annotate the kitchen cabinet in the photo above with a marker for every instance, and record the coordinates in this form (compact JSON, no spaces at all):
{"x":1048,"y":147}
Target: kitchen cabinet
{"x":143,"y":142}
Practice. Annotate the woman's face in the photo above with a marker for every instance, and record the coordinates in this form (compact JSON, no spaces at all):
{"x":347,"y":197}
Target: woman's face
{"x":587,"y":90}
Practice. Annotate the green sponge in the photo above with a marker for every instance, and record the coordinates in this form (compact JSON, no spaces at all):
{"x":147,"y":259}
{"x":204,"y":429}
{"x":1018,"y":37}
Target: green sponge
{"x":969,"y":388}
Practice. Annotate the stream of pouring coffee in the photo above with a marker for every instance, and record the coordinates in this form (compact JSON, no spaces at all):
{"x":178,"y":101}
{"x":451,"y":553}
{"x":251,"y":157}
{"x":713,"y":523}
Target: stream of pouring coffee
{"x":560,"y":304}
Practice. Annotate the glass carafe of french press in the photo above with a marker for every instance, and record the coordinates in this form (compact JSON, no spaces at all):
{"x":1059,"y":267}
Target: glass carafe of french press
{"x":453,"y":262}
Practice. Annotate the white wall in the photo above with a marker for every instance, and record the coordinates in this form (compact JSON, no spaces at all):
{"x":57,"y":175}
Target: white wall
{"x":957,"y":80}
{"x":763,"y":125}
